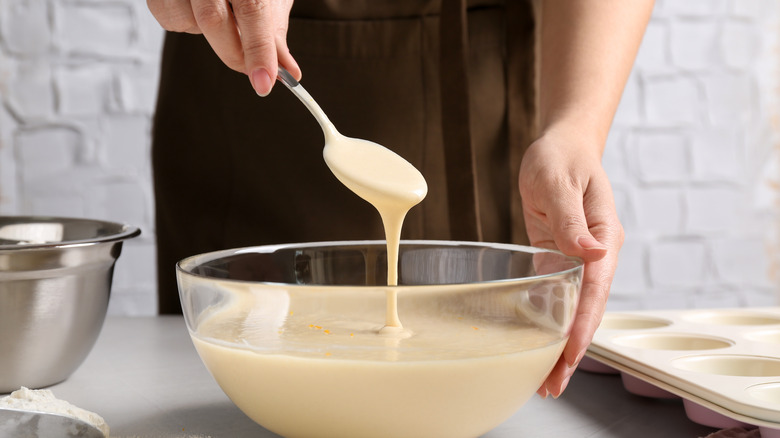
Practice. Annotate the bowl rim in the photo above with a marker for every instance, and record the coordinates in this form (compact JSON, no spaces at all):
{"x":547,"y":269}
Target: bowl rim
{"x":213,"y":255}
{"x":126,"y":232}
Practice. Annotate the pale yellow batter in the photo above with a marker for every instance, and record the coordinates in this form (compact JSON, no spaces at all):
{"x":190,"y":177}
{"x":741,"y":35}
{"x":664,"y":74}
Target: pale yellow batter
{"x":378,"y":175}
{"x":310,"y":373}
{"x":389,"y":183}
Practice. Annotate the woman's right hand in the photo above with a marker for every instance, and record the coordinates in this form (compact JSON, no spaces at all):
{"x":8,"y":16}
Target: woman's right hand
{"x":249,"y":36}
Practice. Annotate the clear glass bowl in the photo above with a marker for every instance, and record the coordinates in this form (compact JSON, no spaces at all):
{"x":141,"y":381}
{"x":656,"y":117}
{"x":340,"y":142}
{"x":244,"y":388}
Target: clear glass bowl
{"x":294,"y":333}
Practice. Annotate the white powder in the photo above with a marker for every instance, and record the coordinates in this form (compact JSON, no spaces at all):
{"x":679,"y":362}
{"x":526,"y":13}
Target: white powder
{"x":43,"y":400}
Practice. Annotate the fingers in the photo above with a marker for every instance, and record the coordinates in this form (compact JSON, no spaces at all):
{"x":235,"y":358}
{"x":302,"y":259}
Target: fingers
{"x":591,"y":307}
{"x":596,"y":282}
{"x":263,"y":30}
{"x":212,"y":18}
{"x":249,"y":36}
{"x":255,"y":21}
{"x":557,"y":380}
{"x":597,"y":279}
{"x":174,"y":15}
{"x":592,"y":303}
{"x":286,"y":60}
{"x":598,"y":274}
{"x":215,"y":20}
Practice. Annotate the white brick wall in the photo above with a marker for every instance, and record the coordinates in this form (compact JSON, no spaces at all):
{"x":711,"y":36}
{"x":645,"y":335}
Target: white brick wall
{"x":78,"y":80}
{"x":694,"y":164}
{"x":692,"y":154}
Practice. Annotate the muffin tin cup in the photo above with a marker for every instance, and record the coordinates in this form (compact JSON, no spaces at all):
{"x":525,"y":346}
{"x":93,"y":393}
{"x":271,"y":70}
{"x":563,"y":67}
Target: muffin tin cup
{"x":723,"y":363}
{"x":593,"y":366}
{"x":638,"y":386}
{"x":708,"y":417}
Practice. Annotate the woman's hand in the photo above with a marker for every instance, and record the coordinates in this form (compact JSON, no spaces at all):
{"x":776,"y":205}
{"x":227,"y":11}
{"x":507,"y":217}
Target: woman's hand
{"x":568,"y":205}
{"x":249,"y":36}
{"x":586,"y":50}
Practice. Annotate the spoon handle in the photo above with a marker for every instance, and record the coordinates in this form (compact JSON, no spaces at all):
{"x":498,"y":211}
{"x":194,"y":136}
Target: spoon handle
{"x":286,"y":78}
{"x":289,"y":81}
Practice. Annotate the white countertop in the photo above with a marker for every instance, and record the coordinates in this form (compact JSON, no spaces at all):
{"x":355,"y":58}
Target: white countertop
{"x":145,"y":378}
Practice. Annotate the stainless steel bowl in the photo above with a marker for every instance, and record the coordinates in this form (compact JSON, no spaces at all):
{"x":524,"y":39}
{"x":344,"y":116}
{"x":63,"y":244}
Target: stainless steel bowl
{"x":55,"y":281}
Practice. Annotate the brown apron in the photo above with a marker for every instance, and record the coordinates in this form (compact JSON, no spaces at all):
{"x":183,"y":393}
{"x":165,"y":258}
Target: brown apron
{"x":232,"y":169}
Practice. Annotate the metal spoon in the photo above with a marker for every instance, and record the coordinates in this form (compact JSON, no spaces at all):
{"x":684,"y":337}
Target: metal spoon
{"x":33,"y":424}
{"x":393,"y":177}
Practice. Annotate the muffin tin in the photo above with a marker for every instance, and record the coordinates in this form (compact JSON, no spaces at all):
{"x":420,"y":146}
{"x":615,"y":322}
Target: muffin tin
{"x":723,"y":363}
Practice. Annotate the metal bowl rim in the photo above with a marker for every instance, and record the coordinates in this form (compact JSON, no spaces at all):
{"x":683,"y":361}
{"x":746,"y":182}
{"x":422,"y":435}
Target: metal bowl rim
{"x":127,"y":232}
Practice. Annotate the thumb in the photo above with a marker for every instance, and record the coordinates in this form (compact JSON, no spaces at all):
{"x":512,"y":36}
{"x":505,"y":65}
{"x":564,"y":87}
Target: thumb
{"x":592,"y":249}
{"x":569,"y":226}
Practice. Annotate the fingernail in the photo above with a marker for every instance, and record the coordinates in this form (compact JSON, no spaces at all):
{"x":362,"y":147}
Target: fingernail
{"x":590,"y":243}
{"x":261,"y":82}
{"x":543,"y":392}
{"x":564,"y":384}
{"x":576,"y":360}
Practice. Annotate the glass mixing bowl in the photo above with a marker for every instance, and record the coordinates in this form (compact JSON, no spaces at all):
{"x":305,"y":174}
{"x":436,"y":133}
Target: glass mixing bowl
{"x":294,"y":333}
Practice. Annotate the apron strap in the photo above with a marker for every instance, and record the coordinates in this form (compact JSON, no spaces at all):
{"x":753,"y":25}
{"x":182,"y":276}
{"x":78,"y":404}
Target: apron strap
{"x":463,"y":202}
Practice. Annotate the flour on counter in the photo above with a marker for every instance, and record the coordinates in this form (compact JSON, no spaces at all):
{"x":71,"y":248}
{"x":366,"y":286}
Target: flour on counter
{"x":43,"y":400}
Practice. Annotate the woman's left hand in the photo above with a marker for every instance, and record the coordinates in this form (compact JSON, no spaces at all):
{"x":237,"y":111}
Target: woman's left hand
{"x":568,"y":206}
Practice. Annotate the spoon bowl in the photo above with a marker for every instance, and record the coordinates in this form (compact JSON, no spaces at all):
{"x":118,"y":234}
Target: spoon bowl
{"x":372,"y":178}
{"x":369,"y":169}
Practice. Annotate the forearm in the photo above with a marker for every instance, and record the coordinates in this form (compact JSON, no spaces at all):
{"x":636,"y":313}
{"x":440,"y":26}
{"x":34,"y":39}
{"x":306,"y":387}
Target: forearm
{"x":586,"y":51}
